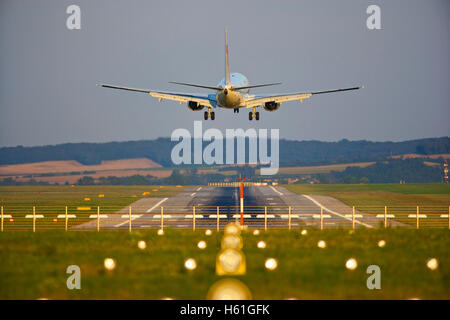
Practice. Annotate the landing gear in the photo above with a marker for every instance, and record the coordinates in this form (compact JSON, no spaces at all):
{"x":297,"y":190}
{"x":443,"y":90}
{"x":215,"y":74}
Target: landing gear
{"x":252,"y":115}
{"x":209,"y":114}
{"x":236,"y":110}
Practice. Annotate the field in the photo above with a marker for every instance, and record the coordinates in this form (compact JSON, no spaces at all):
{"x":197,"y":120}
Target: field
{"x":34,"y":264}
{"x":321,"y":169}
{"x":52,"y":200}
{"x":419,"y":194}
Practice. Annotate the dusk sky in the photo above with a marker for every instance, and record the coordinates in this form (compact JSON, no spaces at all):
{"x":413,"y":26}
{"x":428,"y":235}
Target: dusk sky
{"x":48,"y":77}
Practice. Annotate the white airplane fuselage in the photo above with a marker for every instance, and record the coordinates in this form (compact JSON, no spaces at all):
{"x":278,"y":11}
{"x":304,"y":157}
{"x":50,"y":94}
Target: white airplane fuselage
{"x":232,"y":99}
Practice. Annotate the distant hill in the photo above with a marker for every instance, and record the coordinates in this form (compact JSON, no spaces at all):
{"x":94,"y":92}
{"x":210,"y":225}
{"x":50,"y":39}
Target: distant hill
{"x":291,"y":152}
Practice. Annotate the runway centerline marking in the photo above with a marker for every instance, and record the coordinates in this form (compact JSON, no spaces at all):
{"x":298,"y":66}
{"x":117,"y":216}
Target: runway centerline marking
{"x":280,"y":193}
{"x":335,"y":213}
{"x":140,"y":215}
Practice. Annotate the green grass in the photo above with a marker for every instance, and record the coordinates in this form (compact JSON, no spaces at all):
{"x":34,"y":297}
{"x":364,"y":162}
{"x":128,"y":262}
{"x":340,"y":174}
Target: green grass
{"x":33,"y":265}
{"x":401,"y":199}
{"x":52,"y":200}
{"x":425,"y":194}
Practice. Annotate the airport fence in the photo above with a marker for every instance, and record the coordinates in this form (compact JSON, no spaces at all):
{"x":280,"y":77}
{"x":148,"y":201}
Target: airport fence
{"x":36,"y":218}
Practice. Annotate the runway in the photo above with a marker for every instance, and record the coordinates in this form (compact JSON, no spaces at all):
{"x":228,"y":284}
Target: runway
{"x":208,"y":207}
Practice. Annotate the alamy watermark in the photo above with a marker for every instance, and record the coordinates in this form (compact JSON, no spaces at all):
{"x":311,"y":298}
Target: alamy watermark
{"x":213,"y":153}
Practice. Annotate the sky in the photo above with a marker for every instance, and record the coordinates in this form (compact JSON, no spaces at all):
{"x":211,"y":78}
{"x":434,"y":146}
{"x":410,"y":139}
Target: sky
{"x":48,"y":73}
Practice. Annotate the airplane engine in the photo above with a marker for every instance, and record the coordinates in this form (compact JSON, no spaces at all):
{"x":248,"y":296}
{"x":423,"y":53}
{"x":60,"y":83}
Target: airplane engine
{"x":194,"y":106}
{"x":271,"y":106}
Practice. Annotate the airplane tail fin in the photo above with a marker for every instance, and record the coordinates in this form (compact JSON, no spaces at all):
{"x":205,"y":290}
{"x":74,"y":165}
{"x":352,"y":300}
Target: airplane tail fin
{"x":227,"y":63}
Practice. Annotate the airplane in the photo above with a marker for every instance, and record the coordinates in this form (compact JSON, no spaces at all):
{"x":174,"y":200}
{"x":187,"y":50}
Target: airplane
{"x":232,"y":92}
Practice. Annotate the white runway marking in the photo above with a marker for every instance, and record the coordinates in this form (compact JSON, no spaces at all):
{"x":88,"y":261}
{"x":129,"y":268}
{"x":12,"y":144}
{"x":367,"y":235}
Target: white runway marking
{"x":140,"y":215}
{"x":193,"y":194}
{"x":335,"y":213}
{"x":199,"y":189}
{"x":280,"y":193}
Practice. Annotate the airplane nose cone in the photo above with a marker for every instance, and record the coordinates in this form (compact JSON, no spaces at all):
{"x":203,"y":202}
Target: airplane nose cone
{"x":225,"y":91}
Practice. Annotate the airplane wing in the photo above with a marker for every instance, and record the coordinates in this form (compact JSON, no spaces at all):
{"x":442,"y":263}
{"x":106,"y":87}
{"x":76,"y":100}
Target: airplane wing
{"x":261,"y":100}
{"x":206,"y":100}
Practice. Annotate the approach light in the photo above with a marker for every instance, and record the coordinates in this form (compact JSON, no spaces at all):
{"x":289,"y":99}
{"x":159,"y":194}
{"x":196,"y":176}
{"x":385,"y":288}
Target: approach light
{"x":321,"y":244}
{"x":261,"y":244}
{"x":232,"y":229}
{"x":201,"y":244}
{"x":381,"y":243}
{"x":271,"y":264}
{"x":142,"y":245}
{"x":351,"y":264}
{"x":229,"y":289}
{"x":230,"y":262}
{"x":256,"y":233}
{"x":231,"y":241}
{"x":432,"y":264}
{"x":110,"y":264}
{"x":160,"y":232}
{"x":190,"y":264}
{"x":208,"y":232}
{"x":304,"y":232}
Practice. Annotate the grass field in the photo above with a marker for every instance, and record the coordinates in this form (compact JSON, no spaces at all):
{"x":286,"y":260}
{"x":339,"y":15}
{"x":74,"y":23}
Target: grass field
{"x":52,"y":200}
{"x":426,"y":194}
{"x":34,"y":265}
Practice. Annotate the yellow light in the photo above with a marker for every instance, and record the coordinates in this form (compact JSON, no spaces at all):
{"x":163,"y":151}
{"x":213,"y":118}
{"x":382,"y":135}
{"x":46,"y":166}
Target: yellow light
{"x":109,"y":264}
{"x":230,"y":260}
{"x":167,"y":298}
{"x":261,"y":244}
{"x":87,"y":199}
{"x":304,"y":232}
{"x":232,"y":229}
{"x":190,"y":264}
{"x":142,"y":245}
{"x":229,"y":289}
{"x":271,"y":264}
{"x":231,"y":241}
{"x":432,"y":264}
{"x":321,"y":244}
{"x":256,"y":233}
{"x":160,"y":232}
{"x":351,"y":264}
{"x":381,"y":243}
{"x":208,"y":232}
{"x":351,"y":232}
{"x":201,"y":244}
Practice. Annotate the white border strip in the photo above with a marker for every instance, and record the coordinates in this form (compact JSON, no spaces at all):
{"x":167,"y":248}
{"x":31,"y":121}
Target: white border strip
{"x":140,"y":215}
{"x":335,"y":213}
